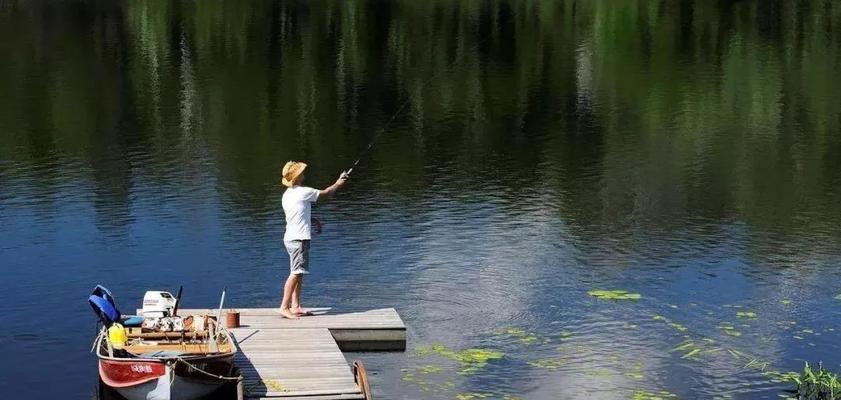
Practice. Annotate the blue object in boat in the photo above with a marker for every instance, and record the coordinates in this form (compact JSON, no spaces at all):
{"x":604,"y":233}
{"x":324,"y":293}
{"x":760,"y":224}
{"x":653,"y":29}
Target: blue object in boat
{"x":132,"y":321}
{"x":103,"y":305}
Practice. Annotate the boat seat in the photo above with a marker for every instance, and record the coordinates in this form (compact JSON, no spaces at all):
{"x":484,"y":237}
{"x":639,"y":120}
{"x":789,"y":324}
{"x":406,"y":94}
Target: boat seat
{"x":150,"y":350}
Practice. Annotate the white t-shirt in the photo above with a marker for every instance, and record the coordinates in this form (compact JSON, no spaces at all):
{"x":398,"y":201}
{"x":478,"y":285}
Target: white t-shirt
{"x":297,"y":202}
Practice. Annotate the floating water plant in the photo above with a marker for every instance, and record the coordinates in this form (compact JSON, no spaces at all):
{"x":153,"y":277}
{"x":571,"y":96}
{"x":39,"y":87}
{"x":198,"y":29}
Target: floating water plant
{"x":730,"y":330}
{"x":737,"y":354}
{"x":782,"y":377}
{"x":472,"y":396}
{"x":692,"y":349}
{"x":746,"y":314}
{"x":548,"y":363}
{"x":430,"y":369}
{"x":838,"y":297}
{"x":678,"y":327}
{"x":661,"y":395}
{"x":522,"y":335}
{"x":636,"y":372}
{"x":785,"y":301}
{"x":818,"y":385}
{"x":614,"y":295}
{"x":469,"y":359}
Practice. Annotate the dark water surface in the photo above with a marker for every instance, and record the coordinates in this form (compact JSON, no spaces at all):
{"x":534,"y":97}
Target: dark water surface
{"x":687,"y":151}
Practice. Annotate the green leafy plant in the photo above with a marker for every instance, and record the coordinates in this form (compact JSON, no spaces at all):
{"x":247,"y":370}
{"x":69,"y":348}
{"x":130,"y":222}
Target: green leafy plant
{"x":817,"y":384}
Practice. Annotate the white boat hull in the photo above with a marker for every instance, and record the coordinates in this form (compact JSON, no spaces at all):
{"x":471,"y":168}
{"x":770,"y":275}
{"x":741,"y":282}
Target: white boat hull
{"x":168,"y":387}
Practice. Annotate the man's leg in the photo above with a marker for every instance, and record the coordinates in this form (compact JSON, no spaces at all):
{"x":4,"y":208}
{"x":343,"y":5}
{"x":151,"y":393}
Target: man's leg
{"x":288,"y":288}
{"x":296,"y":307}
{"x":302,"y":267}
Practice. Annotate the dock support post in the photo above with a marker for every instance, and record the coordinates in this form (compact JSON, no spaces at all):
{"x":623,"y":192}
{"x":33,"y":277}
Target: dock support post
{"x":240,"y":388}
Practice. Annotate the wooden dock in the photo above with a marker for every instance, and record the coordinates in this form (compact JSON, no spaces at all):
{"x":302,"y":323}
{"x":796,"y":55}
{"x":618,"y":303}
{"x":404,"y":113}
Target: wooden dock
{"x":302,"y":359}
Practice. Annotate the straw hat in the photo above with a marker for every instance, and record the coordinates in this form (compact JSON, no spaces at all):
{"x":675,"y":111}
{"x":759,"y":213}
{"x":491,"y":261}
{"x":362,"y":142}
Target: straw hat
{"x":291,"y":171}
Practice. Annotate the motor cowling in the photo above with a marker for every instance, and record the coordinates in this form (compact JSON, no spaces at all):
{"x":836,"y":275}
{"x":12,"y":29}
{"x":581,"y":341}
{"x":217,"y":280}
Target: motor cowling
{"x":158,"y":304}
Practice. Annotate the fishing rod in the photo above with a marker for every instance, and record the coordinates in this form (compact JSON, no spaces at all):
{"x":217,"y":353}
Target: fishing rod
{"x":346,"y":174}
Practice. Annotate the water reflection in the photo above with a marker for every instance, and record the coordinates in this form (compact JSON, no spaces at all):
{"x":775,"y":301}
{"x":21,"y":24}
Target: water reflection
{"x":686,"y":151}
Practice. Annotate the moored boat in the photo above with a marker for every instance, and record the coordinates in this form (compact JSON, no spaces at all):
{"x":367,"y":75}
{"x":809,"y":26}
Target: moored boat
{"x":159,"y":362}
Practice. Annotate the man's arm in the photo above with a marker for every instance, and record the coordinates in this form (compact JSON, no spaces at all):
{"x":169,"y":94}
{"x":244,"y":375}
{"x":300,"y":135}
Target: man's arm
{"x":332,"y":189}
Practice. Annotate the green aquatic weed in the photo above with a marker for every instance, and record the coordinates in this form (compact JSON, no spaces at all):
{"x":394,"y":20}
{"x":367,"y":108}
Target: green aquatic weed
{"x":430,"y":369}
{"x":817,"y":384}
{"x":635,"y":375}
{"x":469,"y":359}
{"x":661,"y":395}
{"x":520,"y":334}
{"x":675,"y":325}
{"x":782,"y":377}
{"x":547,"y":363}
{"x":693,"y":349}
{"x":691,"y":353}
{"x":730,"y":330}
{"x":689,"y":344}
{"x":746,"y":314}
{"x":614,"y":295}
{"x":471,"y":396}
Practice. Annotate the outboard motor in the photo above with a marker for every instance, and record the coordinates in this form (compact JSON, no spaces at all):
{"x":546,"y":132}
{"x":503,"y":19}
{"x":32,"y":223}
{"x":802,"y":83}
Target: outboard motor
{"x":103,"y":305}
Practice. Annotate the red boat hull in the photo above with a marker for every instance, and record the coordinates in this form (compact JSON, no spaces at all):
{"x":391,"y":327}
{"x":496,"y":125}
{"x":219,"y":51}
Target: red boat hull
{"x":165,"y":379}
{"x":119,"y":374}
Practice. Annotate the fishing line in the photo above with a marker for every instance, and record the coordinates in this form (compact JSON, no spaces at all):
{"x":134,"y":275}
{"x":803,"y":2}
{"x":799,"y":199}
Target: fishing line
{"x":396,"y":113}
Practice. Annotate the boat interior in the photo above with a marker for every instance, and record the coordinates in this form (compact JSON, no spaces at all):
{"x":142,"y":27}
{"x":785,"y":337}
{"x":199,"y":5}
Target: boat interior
{"x":167,"y":347}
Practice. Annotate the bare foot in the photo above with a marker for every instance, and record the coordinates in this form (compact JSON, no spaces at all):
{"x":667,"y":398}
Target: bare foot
{"x":301,"y":312}
{"x":287,"y":313}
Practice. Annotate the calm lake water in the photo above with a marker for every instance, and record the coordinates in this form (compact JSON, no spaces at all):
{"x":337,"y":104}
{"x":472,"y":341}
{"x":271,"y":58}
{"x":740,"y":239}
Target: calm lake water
{"x":686,"y":151}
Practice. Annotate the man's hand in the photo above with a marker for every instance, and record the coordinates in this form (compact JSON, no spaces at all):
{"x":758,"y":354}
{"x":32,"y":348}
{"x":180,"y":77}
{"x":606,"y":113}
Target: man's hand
{"x":316,"y":225}
{"x":329,"y":191}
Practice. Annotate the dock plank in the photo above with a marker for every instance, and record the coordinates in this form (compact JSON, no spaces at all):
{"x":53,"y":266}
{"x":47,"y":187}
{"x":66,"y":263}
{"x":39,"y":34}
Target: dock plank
{"x":293,"y":363}
{"x":302,"y":359}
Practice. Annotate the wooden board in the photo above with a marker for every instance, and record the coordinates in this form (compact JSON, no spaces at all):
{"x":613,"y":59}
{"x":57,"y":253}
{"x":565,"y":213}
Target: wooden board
{"x":290,"y":363}
{"x":384,"y":318}
{"x":374,"y":330}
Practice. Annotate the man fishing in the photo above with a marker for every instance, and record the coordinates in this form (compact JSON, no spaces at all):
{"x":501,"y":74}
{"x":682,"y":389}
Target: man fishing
{"x":297,"y":202}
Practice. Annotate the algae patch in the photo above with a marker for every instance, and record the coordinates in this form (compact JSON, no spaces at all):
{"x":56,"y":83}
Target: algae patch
{"x":548,"y":363}
{"x":661,"y":395}
{"x":614,"y":295}
{"x":520,"y":334}
{"x":470,"y":360}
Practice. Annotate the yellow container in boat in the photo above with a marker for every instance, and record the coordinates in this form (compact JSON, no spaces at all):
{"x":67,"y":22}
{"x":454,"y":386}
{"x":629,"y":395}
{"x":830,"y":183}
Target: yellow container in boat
{"x":117,"y":336}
